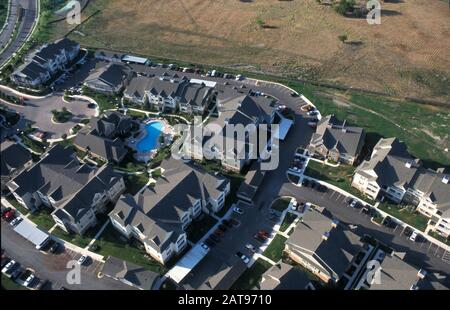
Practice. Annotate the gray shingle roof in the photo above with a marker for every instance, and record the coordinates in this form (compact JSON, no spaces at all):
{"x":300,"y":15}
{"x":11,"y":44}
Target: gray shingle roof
{"x":12,"y":157}
{"x":335,"y":134}
{"x":336,"y":252}
{"x":128,"y":272}
{"x":284,"y":277}
{"x":158,"y":210}
{"x":103,"y":147}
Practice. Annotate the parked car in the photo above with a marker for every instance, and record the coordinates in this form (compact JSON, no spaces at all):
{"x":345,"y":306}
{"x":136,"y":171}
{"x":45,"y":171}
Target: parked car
{"x":9,"y":215}
{"x":238,"y":77}
{"x":5,"y":260}
{"x":322,"y":188}
{"x":215,"y":238}
{"x":414,"y":235}
{"x":244,"y":258}
{"x":16,"y":221}
{"x":42,"y":284}
{"x":227,"y":223}
{"x":9,"y":266}
{"x":83,"y":259}
{"x":210,"y":243}
{"x":4,"y":210}
{"x":55,"y":247}
{"x":294,"y":94}
{"x":352,"y":203}
{"x":305,"y":182}
{"x":29,"y":281}
{"x":204,"y":246}
{"x":15,"y":273}
{"x":264,"y":233}
{"x":238,"y":210}
{"x":223,"y":228}
{"x":234,"y":222}
{"x":259,"y":238}
{"x":407,"y":231}
{"x":250,"y":247}
{"x":219,"y":233}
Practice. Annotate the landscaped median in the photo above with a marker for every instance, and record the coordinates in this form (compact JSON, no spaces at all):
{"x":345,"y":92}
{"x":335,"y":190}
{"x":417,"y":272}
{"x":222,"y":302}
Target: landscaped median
{"x":281,"y":204}
{"x":406,"y":214}
{"x":275,"y":249}
{"x":289,"y":218}
{"x":252,"y":276}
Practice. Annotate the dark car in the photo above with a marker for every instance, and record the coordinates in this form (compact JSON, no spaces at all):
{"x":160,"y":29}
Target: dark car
{"x":259,"y":238}
{"x":305,"y":182}
{"x":314,"y":184}
{"x":234,"y":222}
{"x":323,"y":188}
{"x":294,"y":94}
{"x":408,"y":231}
{"x":223,"y":228}
{"x":55,"y":247}
{"x":210,"y":243}
{"x":227,"y":223}
{"x":215,"y":238}
{"x":219,"y":233}
{"x":42,"y":285}
{"x":5,"y":260}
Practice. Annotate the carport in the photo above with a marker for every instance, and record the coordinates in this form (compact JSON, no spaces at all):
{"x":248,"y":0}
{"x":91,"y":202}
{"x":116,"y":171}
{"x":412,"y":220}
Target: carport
{"x":187,"y":263}
{"x":32,"y":233}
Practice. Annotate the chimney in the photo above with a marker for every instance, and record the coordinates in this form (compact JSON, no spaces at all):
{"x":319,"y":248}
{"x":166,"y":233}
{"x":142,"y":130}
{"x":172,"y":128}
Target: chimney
{"x":445,"y":179}
{"x":326,"y":235}
{"x":408,"y":164}
{"x":421,"y":274}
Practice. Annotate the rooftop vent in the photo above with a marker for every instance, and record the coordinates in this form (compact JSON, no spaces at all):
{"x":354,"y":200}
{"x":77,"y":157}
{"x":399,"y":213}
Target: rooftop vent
{"x":422,"y":273}
{"x":326,"y":235}
{"x":408,"y":164}
{"x":334,"y":223}
{"x":445,"y":179}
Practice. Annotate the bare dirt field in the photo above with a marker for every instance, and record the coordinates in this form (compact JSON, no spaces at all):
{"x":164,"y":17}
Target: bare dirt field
{"x":408,"y":54}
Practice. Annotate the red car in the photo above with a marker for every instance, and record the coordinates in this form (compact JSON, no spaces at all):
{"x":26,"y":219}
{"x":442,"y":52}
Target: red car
{"x":219,"y":233}
{"x":264,"y":233}
{"x":9,"y":215}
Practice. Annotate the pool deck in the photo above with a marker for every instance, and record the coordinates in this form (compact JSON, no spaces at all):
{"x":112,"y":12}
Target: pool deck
{"x":132,"y":142}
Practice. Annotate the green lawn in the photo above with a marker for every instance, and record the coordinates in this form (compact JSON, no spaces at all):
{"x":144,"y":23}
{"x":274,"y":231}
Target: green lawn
{"x":338,"y":176}
{"x":104,"y":102}
{"x":275,"y":249}
{"x":252,"y":276}
{"x":16,"y":204}
{"x":136,"y":114}
{"x":112,"y":243}
{"x":81,"y":241}
{"x":406,"y":214}
{"x":134,"y":183}
{"x":34,"y":145}
{"x":439,"y":237}
{"x":61,"y":116}
{"x":198,"y":228}
{"x":42,"y":219}
{"x":10,"y":285}
{"x":288,"y":220}
{"x":281,"y":204}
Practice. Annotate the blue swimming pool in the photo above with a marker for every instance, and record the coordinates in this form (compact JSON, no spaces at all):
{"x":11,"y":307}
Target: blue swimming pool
{"x":150,"y":141}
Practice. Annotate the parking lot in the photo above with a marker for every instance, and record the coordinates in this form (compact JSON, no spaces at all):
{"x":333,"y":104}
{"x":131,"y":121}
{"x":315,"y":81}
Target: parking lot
{"x":420,"y":253}
{"x":53,"y":267}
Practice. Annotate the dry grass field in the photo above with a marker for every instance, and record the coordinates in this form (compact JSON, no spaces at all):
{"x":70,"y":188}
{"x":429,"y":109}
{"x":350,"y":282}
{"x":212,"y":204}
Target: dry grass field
{"x":408,"y":54}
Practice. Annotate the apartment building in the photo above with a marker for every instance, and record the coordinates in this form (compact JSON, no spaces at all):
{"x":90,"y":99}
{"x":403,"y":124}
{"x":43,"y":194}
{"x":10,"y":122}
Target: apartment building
{"x":218,"y":140}
{"x":110,"y":79}
{"x":14,"y":158}
{"x":74,"y":190}
{"x":159,"y":215}
{"x":103,"y":136}
{"x":42,"y":65}
{"x":327,"y":249}
{"x":337,"y":141}
{"x":392,"y":172}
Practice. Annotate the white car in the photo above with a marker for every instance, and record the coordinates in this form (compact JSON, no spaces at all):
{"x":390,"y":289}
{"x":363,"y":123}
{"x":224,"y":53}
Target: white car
{"x":238,"y":210}
{"x":9,"y":266}
{"x":414,"y":235}
{"x":353,"y":203}
{"x":205,"y":246}
{"x":238,"y":77}
{"x":294,"y":206}
{"x":16,"y":221}
{"x":245,"y":259}
{"x":250,"y":247}
{"x":29,"y":280}
{"x":82,"y":259}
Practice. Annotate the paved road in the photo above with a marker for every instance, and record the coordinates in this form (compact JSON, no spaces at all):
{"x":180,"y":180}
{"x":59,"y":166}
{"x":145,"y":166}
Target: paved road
{"x":421,"y":254}
{"x":53,"y":267}
{"x":11,"y":21}
{"x":26,"y":26}
{"x":38,"y":113}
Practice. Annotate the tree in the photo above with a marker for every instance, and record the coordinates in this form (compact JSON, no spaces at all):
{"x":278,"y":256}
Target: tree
{"x":345,"y":6}
{"x":343,"y":38}
{"x":64,"y":136}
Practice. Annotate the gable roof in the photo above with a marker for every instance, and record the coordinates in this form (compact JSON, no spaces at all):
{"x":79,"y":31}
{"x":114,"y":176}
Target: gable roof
{"x":334,"y":134}
{"x":284,"y":277}
{"x":12,"y":157}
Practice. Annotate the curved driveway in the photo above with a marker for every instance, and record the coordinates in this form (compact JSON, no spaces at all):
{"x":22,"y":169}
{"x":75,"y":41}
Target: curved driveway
{"x":26,"y":27}
{"x":39,"y":113}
